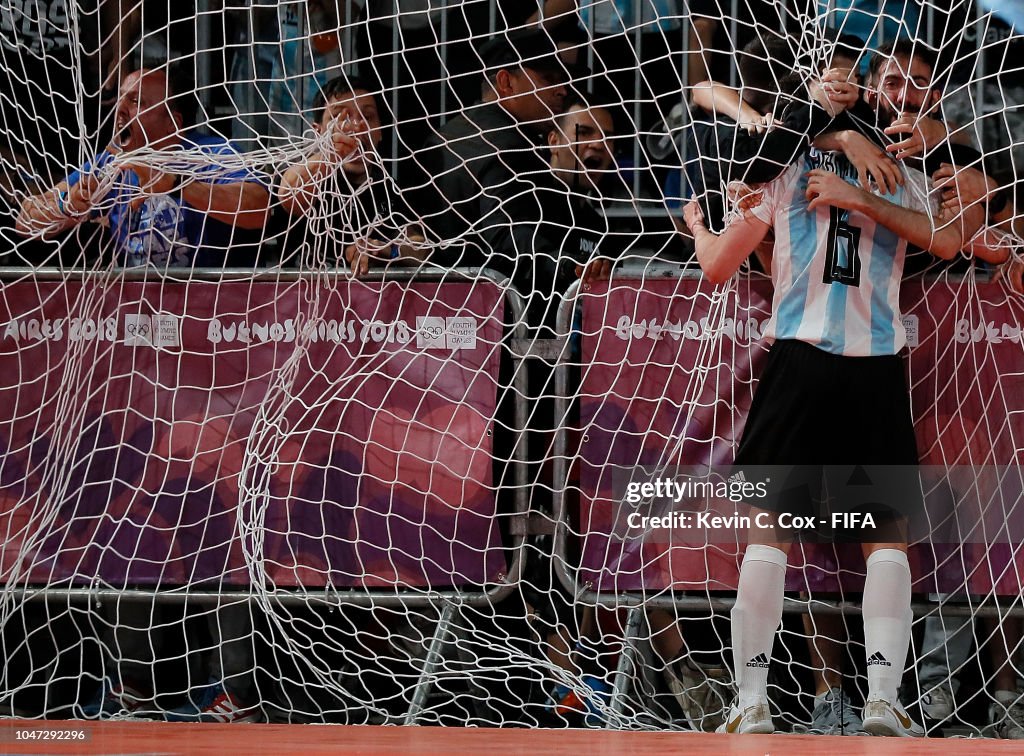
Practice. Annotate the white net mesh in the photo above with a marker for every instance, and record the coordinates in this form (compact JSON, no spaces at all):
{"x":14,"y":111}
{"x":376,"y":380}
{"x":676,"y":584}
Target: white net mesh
{"x":320,"y":406}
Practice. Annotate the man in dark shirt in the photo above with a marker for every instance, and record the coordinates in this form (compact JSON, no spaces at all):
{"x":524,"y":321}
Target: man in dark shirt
{"x":727,"y":153}
{"x":347,"y":201}
{"x":573,"y":238}
{"x":484,"y":167}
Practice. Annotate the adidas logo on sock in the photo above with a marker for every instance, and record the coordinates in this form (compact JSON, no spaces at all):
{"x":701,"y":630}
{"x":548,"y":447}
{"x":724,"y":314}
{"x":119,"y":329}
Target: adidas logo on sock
{"x":877,"y":658}
{"x":761,"y":660}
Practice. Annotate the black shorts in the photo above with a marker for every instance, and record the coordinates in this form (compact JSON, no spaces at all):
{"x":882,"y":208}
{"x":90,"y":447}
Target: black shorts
{"x":836,"y":431}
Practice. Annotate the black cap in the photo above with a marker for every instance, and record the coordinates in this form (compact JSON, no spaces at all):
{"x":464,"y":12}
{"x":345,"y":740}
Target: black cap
{"x":530,"y":48}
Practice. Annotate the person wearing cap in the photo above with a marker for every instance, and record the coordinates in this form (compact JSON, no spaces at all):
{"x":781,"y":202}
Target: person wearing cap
{"x":484,"y":168}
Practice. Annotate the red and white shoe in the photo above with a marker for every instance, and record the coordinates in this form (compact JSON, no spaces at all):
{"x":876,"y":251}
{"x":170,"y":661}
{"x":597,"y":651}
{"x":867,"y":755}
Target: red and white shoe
{"x":216,"y":704}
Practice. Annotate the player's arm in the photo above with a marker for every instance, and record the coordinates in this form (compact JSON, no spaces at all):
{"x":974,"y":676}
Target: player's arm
{"x":762,"y":158}
{"x":720,"y":256}
{"x":945,"y":240}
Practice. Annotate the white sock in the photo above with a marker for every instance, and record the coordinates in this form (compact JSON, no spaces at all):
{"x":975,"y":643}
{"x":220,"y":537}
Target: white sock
{"x":887,"y":621}
{"x":755,"y":618}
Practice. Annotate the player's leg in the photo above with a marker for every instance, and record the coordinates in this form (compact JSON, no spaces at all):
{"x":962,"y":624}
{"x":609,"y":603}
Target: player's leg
{"x":945,"y":647}
{"x":783,"y":428}
{"x":755,"y":618}
{"x":876,"y":474}
{"x":887,"y":624}
{"x":1006,"y":712}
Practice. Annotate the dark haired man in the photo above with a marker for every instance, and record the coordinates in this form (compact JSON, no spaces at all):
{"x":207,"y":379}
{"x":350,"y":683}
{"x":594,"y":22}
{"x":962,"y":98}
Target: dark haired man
{"x":187,"y":212}
{"x":581,"y":159}
{"x":902,"y":102}
{"x":727,"y":153}
{"x":380,"y":228}
{"x":483,"y":167}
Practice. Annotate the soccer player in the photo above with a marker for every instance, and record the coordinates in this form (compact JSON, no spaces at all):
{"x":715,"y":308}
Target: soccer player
{"x":833,"y":393}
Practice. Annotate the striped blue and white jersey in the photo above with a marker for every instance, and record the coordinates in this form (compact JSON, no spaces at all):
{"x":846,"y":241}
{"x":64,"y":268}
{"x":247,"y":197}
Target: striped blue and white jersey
{"x":836,"y":273}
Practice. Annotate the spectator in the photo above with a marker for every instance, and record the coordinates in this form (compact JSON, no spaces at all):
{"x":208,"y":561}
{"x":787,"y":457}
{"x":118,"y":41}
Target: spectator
{"x":434,"y":38}
{"x":283,"y":54}
{"x":727,"y":153}
{"x":52,"y":116}
{"x":484,"y":167}
{"x":38,"y":92}
{"x":381,"y":229}
{"x":720,"y":27}
{"x":575,"y":240}
{"x":176,"y":215}
{"x":638,"y":47}
{"x":159,"y":218}
{"x":570,"y":241}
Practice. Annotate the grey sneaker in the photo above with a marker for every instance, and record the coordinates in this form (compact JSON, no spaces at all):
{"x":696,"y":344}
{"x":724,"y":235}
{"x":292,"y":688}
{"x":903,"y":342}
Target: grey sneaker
{"x":937,"y":703}
{"x":834,"y":715}
{"x":1006,"y":722}
{"x":703,"y":692}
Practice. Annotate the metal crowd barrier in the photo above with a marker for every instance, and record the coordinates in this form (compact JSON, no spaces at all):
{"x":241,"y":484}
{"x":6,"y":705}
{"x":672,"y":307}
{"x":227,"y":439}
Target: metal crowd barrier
{"x":448,"y":602}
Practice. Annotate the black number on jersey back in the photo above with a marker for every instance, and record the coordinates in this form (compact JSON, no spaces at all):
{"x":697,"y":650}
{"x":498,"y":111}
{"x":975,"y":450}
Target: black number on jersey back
{"x":842,"y":261}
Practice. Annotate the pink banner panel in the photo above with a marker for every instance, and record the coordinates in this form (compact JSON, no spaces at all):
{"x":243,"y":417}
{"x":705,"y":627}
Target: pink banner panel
{"x":157,"y":433}
{"x":669,"y":370}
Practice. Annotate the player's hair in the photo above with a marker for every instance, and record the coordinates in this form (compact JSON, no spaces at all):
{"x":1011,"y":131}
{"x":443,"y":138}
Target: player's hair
{"x":904,"y":48}
{"x":766,"y":67}
{"x":339,"y":87}
{"x":849,"y":46}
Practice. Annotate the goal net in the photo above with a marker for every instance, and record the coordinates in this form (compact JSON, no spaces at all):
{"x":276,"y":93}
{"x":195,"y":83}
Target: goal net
{"x":344,"y":345}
